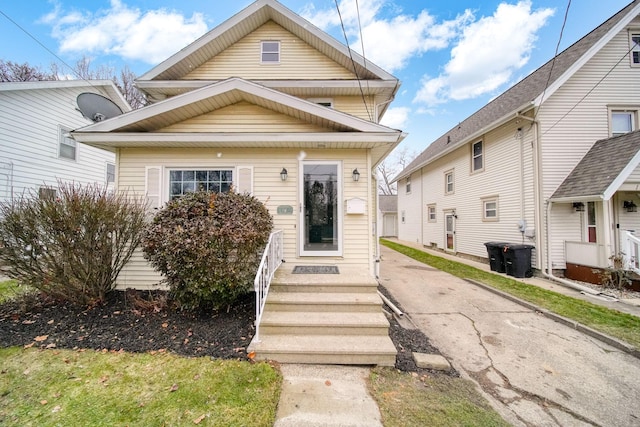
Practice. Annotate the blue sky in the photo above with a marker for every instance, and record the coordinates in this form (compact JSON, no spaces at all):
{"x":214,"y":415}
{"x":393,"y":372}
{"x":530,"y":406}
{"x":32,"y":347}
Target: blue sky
{"x":452,"y":57}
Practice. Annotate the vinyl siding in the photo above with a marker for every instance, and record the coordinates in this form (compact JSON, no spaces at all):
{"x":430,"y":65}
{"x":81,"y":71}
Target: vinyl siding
{"x":410,"y":204}
{"x":298,"y":60}
{"x":267,"y":187}
{"x":243,"y":117}
{"x":29,"y":129}
{"x":566,"y":138}
{"x":358,"y":106}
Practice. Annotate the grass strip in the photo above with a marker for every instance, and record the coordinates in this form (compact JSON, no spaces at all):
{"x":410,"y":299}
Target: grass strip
{"x":407,"y":400}
{"x":615,"y":323}
{"x":99,"y":388}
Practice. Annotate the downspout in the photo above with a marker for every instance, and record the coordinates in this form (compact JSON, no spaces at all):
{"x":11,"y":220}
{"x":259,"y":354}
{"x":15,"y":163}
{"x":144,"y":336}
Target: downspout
{"x":545,"y":249}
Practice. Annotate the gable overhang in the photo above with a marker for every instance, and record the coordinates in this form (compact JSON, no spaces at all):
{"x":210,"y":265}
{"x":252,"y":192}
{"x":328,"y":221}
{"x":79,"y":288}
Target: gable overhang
{"x":226,"y":93}
{"x":247,"y":21}
{"x":577,"y":65}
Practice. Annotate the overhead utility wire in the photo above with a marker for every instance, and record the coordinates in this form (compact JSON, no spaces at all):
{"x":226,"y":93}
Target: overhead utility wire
{"x":363,"y":54}
{"x":352,"y":61}
{"x":46,"y":48}
{"x":555,"y":55}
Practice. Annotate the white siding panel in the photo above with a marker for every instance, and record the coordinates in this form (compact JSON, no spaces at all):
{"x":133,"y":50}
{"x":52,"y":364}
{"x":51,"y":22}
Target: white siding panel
{"x":411,"y":205}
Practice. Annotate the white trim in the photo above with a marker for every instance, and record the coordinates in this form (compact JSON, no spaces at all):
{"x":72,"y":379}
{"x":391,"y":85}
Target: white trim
{"x":153,"y":186}
{"x":278,"y":52}
{"x":339,"y":206}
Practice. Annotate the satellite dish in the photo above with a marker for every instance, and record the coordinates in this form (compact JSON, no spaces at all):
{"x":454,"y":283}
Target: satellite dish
{"x":96,"y":107}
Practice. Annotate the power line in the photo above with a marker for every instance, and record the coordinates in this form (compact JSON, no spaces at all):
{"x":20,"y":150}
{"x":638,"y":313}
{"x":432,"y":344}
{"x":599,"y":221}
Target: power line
{"x":353,"y":63}
{"x":555,"y":55}
{"x":363,"y":54}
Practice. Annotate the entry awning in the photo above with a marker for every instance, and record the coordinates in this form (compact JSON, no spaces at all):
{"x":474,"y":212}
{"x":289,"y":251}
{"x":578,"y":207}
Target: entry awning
{"x":602,"y":171}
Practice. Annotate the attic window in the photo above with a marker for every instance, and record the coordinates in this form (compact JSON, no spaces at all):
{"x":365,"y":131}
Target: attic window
{"x":270,"y":53}
{"x":325,"y":102}
{"x":635,"y":48}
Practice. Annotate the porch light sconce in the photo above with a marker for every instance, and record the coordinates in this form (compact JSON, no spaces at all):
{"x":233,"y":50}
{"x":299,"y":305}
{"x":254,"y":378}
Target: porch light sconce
{"x":454,"y":214}
{"x":578,"y":206}
{"x":283,"y":174}
{"x":355,"y":175}
{"x":630,"y":206}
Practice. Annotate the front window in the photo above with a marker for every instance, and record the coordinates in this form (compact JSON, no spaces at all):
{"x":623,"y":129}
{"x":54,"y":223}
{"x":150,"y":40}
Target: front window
{"x":408,"y":186}
{"x":448,"y":183}
{"x":111,"y":173}
{"x":431,"y":213}
{"x":477,"y":157}
{"x":67,"y":145}
{"x":188,"y":181}
{"x":490,"y":209}
{"x":635,"y":48}
{"x":270,"y":52}
{"x":591,"y":222}
{"x":622,"y":122}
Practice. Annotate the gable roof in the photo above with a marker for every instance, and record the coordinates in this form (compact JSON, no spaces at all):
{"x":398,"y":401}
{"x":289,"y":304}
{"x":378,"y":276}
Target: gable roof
{"x":602,"y":170}
{"x":527,"y":93}
{"x":139,"y":128}
{"x":106,"y":86}
{"x":388,"y":203}
{"x":248,"y":20}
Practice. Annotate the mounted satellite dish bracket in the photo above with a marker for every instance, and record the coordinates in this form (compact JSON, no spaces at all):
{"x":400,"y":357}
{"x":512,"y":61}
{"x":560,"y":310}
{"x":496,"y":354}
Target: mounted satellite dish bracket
{"x":96,"y":107}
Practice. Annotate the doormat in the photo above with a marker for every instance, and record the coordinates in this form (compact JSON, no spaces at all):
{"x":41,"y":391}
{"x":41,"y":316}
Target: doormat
{"x":315,"y":269}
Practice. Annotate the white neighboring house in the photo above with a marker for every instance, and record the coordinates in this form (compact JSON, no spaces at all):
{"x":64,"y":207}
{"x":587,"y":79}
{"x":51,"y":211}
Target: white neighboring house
{"x":551,"y":163}
{"x":388,"y":215}
{"x":35,"y":148}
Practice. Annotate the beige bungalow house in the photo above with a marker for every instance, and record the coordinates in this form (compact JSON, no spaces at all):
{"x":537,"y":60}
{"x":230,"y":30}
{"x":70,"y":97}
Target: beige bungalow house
{"x":504,"y":174}
{"x":268,"y":104}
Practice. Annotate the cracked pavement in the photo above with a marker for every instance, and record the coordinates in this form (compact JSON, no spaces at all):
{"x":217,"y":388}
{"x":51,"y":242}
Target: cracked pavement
{"x":533,"y":370}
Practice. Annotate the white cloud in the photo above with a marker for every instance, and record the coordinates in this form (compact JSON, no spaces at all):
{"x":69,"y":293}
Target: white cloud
{"x":396,"y":117}
{"x":149,"y":36}
{"x":392,"y":41}
{"x":487,"y":55}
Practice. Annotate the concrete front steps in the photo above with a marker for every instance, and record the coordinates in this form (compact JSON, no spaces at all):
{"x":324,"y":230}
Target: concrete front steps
{"x":324,"y":319}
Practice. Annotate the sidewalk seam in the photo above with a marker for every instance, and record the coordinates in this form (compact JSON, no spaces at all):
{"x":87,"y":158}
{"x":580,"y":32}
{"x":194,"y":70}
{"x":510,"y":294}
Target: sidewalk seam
{"x":614,"y":342}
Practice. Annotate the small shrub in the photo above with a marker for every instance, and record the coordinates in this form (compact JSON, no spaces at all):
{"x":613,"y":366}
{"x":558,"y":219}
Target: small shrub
{"x":208,"y":246}
{"x":70,"y":245}
{"x":616,"y":276}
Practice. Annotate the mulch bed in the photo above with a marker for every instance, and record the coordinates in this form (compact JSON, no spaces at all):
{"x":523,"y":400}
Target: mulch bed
{"x":143,"y":321}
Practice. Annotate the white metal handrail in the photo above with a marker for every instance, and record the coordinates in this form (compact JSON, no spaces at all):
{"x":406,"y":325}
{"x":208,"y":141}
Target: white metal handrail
{"x":271,"y":260}
{"x":630,"y":247}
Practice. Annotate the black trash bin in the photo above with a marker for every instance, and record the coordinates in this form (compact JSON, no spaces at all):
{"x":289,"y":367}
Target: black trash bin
{"x":496,"y":255}
{"x":517,"y":260}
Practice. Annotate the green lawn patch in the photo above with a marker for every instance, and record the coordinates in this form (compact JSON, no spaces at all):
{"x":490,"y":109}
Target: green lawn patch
{"x":612,"y":322}
{"x":98,"y":388}
{"x":10,"y":289}
{"x":406,"y":400}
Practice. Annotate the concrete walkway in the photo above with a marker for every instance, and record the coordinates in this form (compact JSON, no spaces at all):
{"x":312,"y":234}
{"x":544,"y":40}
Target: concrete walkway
{"x":535,"y":371}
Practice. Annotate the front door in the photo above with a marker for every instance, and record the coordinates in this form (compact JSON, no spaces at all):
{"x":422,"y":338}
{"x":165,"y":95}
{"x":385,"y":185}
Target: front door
{"x":321,"y":210}
{"x":450,"y":230}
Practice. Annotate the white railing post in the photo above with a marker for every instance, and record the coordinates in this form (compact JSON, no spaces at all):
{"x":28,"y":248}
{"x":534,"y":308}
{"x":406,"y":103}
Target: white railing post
{"x":271,"y":260}
{"x":630,"y":247}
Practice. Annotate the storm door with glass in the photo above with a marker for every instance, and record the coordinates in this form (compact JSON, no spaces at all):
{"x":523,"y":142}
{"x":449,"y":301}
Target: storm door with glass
{"x":320,"y":210}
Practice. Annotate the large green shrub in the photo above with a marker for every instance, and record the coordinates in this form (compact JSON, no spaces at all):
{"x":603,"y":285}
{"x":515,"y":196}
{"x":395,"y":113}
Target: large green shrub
{"x":70,"y":244}
{"x":208,"y":246}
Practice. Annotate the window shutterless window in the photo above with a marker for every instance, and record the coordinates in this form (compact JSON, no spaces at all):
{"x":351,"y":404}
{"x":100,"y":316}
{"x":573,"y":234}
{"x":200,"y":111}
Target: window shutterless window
{"x":187,"y":181}
{"x":634,"y":40}
{"x":591,"y":223}
{"x":403,"y":217}
{"x":431,"y":213}
{"x":270,"y":52}
{"x":448,"y":182}
{"x":67,"y":147}
{"x":490,"y":210}
{"x":477,"y":157}
{"x":111,"y":173}
{"x":408,"y":185}
{"x":622,"y":122}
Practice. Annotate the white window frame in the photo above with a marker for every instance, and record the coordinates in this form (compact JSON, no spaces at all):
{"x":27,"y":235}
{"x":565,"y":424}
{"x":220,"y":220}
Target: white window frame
{"x":65,"y":140}
{"x":106,"y":179}
{"x":634,"y":54}
{"x":486,"y":209}
{"x":591,"y":222}
{"x":632,"y":113}
{"x":407,"y":186}
{"x":264,"y":52}
{"x":449,"y":182}
{"x":171,"y":170}
{"x":432,"y":215}
{"x":478,"y":156}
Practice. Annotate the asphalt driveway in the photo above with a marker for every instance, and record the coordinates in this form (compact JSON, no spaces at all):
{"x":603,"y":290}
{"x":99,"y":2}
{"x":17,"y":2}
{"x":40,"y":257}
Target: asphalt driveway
{"x":535,"y":371}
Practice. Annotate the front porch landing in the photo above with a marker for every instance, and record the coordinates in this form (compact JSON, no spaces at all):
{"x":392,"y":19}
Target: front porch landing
{"x":324,"y":319}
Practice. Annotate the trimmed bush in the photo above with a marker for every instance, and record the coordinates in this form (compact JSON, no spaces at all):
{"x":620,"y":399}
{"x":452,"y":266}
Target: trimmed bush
{"x":208,"y":246}
{"x":71,"y":244}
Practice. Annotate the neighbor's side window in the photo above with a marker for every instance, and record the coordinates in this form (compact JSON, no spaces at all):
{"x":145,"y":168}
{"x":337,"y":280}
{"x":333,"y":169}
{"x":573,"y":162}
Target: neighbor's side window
{"x":67,"y":146}
{"x":448,"y":182}
{"x":622,"y":121}
{"x":403,"y":217}
{"x":431,"y":213}
{"x":477,"y":157}
{"x":270,"y":52}
{"x":634,"y":41}
{"x":188,"y":181}
{"x":408,"y":186}
{"x":490,"y":209}
{"x":111,"y":173}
